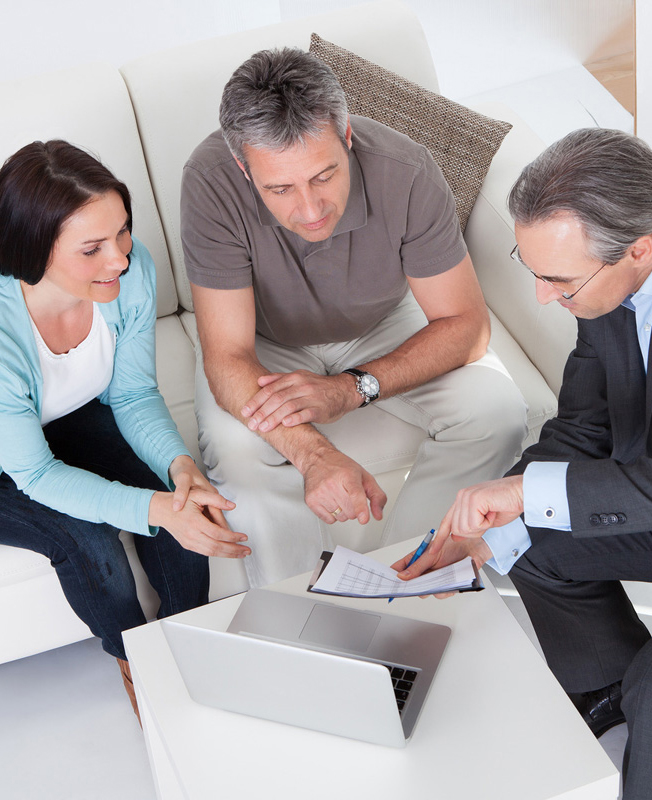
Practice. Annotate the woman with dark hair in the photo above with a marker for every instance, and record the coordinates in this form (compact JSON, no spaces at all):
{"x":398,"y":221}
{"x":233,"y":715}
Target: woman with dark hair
{"x":87,"y":445}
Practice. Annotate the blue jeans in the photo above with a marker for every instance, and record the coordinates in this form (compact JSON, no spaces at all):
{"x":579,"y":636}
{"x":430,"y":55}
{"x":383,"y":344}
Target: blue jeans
{"x":89,"y":558}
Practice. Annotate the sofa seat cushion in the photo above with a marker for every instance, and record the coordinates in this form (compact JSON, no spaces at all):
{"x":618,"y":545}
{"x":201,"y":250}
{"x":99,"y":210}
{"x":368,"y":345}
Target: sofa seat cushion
{"x":18,"y":565}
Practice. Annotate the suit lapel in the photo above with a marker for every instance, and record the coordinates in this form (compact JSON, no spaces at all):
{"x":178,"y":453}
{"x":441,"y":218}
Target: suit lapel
{"x":629,"y":389}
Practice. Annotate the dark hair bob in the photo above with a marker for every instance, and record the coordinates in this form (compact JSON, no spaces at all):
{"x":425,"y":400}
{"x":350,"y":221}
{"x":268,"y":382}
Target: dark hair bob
{"x":42,"y":185}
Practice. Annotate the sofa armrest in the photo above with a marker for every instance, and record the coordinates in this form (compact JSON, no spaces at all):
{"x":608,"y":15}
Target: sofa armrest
{"x":546,"y":334}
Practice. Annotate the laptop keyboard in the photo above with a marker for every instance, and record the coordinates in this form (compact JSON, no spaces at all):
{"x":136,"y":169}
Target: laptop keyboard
{"x":403,"y":679}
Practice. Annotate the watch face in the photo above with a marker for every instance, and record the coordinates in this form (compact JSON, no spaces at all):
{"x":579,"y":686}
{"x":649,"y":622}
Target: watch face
{"x":369,"y":385}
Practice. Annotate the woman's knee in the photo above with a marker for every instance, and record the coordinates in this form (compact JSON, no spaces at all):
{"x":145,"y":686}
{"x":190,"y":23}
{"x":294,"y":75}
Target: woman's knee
{"x":96,"y":556}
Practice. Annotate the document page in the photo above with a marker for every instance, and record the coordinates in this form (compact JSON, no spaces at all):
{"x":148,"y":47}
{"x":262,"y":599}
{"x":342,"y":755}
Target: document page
{"x":352,"y":574}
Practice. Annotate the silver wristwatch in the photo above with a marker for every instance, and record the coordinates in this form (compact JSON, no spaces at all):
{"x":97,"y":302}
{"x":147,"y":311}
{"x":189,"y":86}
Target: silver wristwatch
{"x":366,"y":384}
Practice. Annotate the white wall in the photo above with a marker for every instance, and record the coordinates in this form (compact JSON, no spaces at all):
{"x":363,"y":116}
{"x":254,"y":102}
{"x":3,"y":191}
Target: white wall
{"x":477,"y":44}
{"x":40,"y":35}
{"x":644,"y":70}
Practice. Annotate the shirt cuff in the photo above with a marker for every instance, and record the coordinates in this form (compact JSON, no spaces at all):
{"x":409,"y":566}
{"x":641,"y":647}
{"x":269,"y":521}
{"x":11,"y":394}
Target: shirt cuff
{"x":507,"y":544}
{"x":545,"y":499}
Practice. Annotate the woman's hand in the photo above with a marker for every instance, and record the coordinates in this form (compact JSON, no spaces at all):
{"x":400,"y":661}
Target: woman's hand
{"x":200,"y":524}
{"x":185,"y":475}
{"x":193,"y":513}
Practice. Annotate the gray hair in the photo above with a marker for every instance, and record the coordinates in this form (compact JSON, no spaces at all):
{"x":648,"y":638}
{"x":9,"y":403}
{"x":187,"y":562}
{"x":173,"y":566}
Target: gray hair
{"x":278,"y":98}
{"x":602,"y":177}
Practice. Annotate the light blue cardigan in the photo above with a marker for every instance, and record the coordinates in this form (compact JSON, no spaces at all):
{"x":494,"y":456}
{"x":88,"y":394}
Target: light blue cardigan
{"x":133,"y":394}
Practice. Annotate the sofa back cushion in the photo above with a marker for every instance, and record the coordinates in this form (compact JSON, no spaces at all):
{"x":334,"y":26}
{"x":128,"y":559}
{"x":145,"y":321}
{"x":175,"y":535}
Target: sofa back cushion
{"x":89,"y":106}
{"x":176,"y":94}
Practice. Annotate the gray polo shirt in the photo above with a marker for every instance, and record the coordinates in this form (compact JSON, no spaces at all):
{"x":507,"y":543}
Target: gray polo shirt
{"x":399,"y":220}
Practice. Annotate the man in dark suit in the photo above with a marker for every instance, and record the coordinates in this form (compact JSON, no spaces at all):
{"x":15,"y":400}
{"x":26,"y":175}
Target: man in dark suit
{"x":576,"y":511}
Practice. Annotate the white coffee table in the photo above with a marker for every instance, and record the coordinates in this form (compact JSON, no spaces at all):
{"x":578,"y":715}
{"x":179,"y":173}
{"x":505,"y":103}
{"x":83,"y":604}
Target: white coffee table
{"x":496,"y":723}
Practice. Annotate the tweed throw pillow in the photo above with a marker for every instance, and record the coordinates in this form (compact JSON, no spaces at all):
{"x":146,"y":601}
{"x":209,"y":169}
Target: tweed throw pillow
{"x":461,"y":141}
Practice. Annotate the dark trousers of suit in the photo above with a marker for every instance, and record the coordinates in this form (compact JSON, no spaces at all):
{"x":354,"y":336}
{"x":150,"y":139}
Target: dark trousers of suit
{"x":589,"y":631}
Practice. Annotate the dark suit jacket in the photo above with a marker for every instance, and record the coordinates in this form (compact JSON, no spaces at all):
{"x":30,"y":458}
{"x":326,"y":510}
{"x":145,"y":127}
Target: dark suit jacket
{"x":603,"y":429}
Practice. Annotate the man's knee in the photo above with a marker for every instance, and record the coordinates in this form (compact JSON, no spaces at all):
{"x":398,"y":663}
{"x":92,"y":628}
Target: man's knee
{"x":547,"y":557}
{"x":637,"y":685}
{"x":227,"y":444}
{"x":500,"y":403}
{"x":490,"y":407}
{"x":231,"y":452}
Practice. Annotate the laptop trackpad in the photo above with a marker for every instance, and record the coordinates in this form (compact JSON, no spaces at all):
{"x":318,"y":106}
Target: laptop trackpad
{"x":341,"y":628}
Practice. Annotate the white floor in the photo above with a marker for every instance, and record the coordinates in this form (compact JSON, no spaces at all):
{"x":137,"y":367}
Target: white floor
{"x":67,"y":731}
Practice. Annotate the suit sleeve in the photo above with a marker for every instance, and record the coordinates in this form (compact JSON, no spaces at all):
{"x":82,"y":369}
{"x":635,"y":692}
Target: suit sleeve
{"x":581,"y":431}
{"x":606,"y":495}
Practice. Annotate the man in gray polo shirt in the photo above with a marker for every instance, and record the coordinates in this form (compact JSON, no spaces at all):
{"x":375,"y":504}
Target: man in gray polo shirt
{"x":317,"y":244}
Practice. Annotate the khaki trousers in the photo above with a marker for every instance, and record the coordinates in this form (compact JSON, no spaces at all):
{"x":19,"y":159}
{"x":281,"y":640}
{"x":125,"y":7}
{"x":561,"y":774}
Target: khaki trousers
{"x":473,"y":420}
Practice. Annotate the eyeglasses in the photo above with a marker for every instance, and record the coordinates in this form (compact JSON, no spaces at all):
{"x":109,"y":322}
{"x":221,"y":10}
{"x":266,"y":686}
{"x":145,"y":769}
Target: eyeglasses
{"x":515,"y":254}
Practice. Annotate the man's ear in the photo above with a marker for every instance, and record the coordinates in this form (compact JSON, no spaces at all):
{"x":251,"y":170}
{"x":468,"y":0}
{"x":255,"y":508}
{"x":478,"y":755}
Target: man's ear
{"x":243,"y":168}
{"x":347,"y":135}
{"x":641,"y":252}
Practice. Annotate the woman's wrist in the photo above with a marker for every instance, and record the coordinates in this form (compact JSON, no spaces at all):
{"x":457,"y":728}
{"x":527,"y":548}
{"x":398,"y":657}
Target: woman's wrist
{"x":158,"y":509}
{"x":181,"y":463}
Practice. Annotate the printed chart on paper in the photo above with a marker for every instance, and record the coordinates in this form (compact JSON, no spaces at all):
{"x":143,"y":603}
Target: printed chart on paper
{"x":354,"y":574}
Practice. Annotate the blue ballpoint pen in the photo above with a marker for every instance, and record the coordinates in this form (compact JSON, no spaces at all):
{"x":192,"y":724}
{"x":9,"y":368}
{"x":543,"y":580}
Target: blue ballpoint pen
{"x":421,"y":549}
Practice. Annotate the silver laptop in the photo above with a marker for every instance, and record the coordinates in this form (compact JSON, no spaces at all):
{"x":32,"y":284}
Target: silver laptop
{"x":305,"y":662}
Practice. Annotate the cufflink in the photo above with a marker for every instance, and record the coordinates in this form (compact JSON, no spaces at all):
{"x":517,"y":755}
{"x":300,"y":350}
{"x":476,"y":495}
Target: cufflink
{"x":549,"y":512}
{"x":515,"y":553}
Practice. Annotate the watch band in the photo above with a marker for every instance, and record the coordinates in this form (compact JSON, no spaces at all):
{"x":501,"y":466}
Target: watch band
{"x":366,"y":384}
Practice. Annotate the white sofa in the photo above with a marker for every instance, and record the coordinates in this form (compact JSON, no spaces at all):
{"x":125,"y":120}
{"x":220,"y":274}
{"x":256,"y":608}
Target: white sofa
{"x":143,"y":121}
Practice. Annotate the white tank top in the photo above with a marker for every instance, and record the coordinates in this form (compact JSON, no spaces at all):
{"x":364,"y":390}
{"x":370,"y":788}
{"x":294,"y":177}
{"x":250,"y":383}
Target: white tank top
{"x":72,"y":379}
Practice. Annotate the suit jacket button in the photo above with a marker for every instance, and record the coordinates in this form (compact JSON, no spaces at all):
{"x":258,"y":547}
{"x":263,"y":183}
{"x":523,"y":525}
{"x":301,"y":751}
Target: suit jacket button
{"x":613,"y":519}
{"x":594,"y":519}
{"x":604,"y":519}
{"x":622,"y":518}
